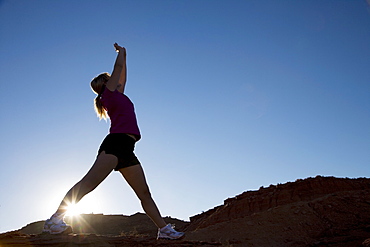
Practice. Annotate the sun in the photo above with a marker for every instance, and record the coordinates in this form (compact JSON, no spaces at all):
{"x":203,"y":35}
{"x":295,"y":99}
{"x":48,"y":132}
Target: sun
{"x":73,"y":210}
{"x":84,"y":206}
{"x":88,"y":205}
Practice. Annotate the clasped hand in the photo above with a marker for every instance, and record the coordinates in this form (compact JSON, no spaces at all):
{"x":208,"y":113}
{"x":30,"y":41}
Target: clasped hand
{"x":119,"y":48}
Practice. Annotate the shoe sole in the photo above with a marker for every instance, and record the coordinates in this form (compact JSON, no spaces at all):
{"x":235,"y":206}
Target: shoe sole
{"x":167,"y":238}
{"x":68,"y":230}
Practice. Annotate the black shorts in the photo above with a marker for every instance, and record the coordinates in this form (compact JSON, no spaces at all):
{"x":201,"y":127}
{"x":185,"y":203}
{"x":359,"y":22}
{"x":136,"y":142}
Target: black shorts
{"x":122,"y":146}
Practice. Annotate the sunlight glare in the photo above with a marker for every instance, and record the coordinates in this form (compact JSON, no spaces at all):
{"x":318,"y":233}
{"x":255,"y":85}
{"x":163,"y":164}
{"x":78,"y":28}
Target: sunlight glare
{"x":73,"y":210}
{"x":88,"y":205}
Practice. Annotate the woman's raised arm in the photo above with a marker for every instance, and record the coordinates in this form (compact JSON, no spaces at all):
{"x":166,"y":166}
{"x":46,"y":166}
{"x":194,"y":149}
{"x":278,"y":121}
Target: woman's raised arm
{"x":119,"y":74}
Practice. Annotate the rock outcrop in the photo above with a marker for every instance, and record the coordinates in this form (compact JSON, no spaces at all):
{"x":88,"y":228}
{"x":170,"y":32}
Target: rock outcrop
{"x":320,"y":211}
{"x":252,"y":202}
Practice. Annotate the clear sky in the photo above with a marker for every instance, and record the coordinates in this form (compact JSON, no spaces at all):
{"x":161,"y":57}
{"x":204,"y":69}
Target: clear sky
{"x":230,"y":96}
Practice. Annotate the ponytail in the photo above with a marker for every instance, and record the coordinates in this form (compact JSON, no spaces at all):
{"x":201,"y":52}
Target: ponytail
{"x":98,"y":86}
{"x":99,"y":108}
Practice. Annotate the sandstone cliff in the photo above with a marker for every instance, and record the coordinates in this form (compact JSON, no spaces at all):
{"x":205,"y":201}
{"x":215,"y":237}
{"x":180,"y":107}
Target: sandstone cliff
{"x":320,"y":211}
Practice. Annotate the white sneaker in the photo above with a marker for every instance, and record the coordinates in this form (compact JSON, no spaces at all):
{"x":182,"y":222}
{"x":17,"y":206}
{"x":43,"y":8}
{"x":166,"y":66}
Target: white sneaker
{"x":56,"y":225}
{"x":168,"y":232}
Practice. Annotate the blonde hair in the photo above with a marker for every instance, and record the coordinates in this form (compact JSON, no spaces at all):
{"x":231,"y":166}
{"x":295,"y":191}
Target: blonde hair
{"x":98,"y":86}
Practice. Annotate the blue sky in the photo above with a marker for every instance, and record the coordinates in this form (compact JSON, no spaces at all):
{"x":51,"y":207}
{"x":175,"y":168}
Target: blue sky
{"x":230,"y":96}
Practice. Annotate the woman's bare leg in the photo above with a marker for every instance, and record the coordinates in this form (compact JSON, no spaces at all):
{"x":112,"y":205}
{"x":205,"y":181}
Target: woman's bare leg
{"x":135,"y":177}
{"x":102,"y":167}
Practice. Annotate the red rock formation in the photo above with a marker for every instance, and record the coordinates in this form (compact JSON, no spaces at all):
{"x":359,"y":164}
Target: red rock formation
{"x":321,"y":212}
{"x":251,"y":202}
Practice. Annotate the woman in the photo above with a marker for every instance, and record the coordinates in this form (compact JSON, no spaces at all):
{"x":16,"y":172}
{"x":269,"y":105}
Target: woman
{"x":116,"y":151}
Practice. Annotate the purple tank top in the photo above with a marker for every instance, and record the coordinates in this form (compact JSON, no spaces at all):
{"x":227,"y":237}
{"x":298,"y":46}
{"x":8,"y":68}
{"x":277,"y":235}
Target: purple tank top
{"x":121,"y":112}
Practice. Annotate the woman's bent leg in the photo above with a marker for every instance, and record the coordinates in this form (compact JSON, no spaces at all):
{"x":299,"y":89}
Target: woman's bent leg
{"x":102,"y":167}
{"x":135,"y":177}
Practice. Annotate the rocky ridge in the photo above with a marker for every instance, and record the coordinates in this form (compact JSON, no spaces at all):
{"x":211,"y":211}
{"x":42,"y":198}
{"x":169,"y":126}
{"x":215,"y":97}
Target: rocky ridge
{"x":252,"y":202}
{"x":320,"y":211}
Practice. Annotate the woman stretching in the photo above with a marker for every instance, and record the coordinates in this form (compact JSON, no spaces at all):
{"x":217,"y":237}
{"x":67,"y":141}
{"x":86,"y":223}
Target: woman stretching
{"x":116,"y":151}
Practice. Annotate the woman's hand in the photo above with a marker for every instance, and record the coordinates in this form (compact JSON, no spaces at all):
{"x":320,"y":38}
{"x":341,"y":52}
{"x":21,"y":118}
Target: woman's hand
{"x":119,"y":48}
